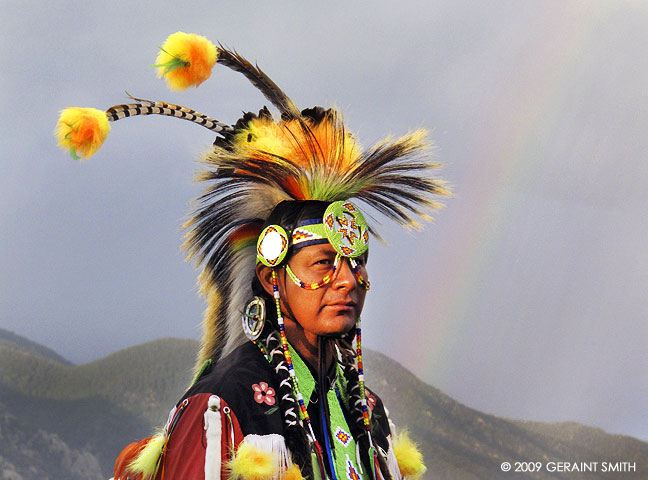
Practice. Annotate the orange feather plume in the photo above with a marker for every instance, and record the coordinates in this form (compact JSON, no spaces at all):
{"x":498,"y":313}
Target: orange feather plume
{"x":82,"y":131}
{"x":124,"y":459}
{"x":186,"y":60}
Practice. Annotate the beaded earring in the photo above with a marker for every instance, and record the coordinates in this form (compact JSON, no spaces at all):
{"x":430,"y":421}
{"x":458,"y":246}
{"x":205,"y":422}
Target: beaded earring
{"x":254,"y":318}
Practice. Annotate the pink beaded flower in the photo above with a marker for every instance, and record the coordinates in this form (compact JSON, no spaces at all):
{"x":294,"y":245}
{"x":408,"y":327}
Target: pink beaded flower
{"x":263,"y":393}
{"x":371,"y":400}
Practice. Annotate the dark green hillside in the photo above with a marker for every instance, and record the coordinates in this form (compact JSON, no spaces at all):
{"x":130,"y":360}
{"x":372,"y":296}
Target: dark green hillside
{"x":146,"y":379}
{"x":28,"y":453}
{"x":92,"y":429}
{"x":98,"y":407}
{"x":28,"y":372}
{"x":593,"y":443}
{"x":10,"y":338}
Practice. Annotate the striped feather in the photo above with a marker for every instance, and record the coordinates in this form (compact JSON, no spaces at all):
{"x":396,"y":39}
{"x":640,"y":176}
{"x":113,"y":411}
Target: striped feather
{"x":148,"y":107}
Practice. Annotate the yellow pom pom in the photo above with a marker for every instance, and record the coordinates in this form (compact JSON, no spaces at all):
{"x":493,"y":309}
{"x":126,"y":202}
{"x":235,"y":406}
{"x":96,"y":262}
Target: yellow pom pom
{"x":186,"y":60}
{"x":293,"y":473}
{"x":82,"y":131}
{"x":410,"y":460}
{"x":146,"y":461}
{"x":252,"y":463}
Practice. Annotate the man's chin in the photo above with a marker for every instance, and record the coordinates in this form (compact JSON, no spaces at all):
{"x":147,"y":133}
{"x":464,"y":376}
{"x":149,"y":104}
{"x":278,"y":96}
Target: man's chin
{"x":340,"y":330}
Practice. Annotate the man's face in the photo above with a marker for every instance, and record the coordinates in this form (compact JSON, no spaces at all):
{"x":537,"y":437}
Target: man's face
{"x":331,"y":310}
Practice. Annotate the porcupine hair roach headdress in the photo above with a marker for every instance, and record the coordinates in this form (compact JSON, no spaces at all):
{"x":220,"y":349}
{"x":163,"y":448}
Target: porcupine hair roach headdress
{"x":257,"y":163}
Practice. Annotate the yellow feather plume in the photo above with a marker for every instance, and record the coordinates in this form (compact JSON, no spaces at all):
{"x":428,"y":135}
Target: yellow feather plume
{"x":146,"y":462}
{"x":285,"y":139}
{"x":410,"y":460}
{"x":186,"y":60}
{"x":82,"y":131}
{"x":293,"y":473}
{"x":252,"y":463}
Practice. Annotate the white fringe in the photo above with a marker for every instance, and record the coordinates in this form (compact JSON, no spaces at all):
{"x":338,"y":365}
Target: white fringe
{"x":169,"y":419}
{"x":359,"y":458}
{"x":274,"y":444}
{"x":392,"y":463}
{"x":213,"y":434}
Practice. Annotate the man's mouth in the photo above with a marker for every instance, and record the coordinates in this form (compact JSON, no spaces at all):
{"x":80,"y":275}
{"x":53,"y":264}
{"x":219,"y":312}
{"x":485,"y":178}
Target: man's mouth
{"x":342,"y":305}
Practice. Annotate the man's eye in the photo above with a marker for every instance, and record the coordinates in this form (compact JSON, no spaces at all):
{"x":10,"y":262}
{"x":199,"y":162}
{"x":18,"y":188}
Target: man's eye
{"x":323,"y":261}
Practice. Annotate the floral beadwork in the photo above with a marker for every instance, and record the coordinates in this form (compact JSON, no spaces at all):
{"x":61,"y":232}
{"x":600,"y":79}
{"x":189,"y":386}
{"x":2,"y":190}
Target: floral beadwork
{"x":371,"y":400}
{"x":263,"y":393}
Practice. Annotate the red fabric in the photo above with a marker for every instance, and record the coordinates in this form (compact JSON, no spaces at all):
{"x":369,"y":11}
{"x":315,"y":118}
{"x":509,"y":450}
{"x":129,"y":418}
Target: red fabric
{"x":184,"y":455}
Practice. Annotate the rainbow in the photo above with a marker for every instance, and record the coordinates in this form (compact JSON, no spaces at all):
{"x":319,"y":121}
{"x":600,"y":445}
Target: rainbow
{"x":526,"y":105}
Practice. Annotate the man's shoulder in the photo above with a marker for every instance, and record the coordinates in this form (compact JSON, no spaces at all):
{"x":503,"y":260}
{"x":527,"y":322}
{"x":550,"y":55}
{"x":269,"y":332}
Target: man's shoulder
{"x":235,"y":373}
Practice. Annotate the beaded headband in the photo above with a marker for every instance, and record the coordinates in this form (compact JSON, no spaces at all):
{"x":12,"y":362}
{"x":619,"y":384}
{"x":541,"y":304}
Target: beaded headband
{"x":343,"y":226}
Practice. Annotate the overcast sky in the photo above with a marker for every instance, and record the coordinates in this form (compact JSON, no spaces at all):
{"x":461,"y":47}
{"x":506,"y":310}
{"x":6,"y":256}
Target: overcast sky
{"x":527,"y":296}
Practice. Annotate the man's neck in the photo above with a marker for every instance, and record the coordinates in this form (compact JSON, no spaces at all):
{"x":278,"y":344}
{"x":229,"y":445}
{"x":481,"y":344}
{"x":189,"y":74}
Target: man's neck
{"x":307,"y":345}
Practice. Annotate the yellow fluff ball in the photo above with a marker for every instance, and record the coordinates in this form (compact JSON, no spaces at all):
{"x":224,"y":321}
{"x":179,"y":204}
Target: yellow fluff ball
{"x":293,"y":473}
{"x":252,"y":463}
{"x":186,"y":60}
{"x":410,"y":460}
{"x":146,"y":461}
{"x":82,"y":131}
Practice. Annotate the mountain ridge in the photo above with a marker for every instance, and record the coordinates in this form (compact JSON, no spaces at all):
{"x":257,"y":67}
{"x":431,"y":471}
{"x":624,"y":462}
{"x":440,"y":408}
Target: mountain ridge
{"x":9,"y":337}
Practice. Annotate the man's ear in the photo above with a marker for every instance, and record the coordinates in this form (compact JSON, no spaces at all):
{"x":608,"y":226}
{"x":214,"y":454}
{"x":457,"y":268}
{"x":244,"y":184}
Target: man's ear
{"x":264,"y":274}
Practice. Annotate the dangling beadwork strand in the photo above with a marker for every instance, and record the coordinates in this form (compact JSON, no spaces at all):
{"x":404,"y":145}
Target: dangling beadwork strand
{"x":291,"y":370}
{"x":363,"y":395}
{"x":365,"y":411}
{"x":262,"y":349}
{"x":300,"y":399}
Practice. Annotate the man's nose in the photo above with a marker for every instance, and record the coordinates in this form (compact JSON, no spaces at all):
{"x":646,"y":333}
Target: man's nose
{"x":344,"y":276}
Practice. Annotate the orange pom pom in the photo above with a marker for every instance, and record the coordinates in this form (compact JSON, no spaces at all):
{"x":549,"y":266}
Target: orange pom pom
{"x":82,"y":131}
{"x":186,"y":60}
